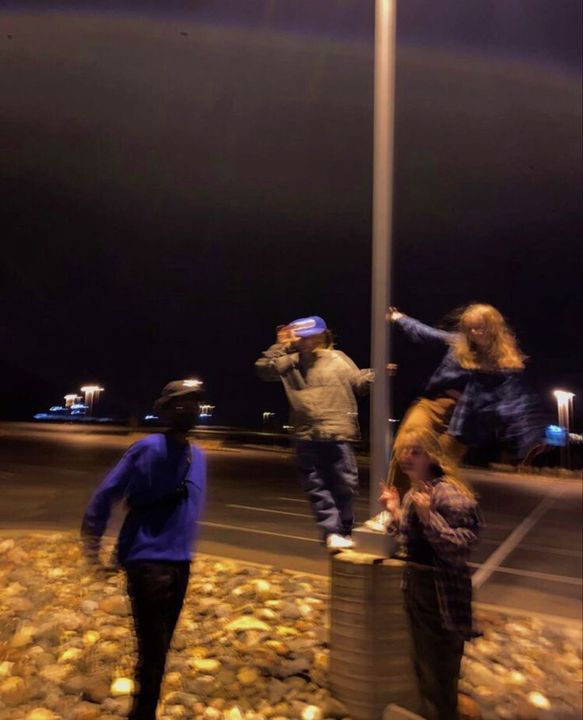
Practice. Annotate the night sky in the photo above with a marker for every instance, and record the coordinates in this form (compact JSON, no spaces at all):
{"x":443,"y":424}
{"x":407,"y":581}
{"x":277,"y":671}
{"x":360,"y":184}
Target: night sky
{"x":178,"y":178}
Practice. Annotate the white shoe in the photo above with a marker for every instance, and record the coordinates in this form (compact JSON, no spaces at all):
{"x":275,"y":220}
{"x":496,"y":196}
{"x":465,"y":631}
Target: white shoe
{"x":336,"y":543}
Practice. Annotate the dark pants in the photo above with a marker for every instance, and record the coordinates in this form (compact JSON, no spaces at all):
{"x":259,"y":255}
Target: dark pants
{"x":437,"y":653}
{"x":329,"y":477}
{"x":156,"y":591}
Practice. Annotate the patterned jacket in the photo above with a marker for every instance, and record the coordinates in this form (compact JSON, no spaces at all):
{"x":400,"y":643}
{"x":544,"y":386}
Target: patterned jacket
{"x":321,"y":397}
{"x":451,"y":532}
{"x":492,"y":405}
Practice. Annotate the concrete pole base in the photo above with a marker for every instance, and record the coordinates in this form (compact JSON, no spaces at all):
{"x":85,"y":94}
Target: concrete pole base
{"x":370,"y":655}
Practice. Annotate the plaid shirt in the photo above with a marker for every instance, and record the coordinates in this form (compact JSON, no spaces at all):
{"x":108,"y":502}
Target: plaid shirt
{"x":492,"y":405}
{"x":451,"y":532}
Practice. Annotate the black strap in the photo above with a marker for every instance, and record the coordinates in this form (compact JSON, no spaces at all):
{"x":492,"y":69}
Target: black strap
{"x":172,"y":499}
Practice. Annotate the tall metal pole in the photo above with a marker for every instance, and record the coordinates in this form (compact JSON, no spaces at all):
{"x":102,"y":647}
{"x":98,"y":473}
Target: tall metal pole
{"x":384,"y":115}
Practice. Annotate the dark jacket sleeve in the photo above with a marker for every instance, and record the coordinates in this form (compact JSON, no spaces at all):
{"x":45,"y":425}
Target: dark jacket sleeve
{"x":521,"y":415}
{"x":419,"y":332}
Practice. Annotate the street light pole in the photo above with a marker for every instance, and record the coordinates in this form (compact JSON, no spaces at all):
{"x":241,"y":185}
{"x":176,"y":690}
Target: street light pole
{"x":384,"y":115}
{"x":564,"y":408}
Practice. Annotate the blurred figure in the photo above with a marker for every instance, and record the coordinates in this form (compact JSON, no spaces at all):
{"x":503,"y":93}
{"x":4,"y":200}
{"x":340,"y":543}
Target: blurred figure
{"x":320,"y":383}
{"x":162,"y":480}
{"x":437,"y":524}
{"x":476,"y":395}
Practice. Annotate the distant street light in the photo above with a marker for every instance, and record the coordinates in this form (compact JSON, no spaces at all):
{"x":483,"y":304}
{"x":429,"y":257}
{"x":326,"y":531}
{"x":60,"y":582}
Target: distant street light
{"x":91,"y":393}
{"x":267,"y":419}
{"x":564,"y":400}
{"x":71,"y":399}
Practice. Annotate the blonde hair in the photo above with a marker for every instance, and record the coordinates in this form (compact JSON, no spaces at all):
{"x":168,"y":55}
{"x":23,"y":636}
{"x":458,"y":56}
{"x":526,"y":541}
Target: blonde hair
{"x":428,"y":441}
{"x":501,"y":352}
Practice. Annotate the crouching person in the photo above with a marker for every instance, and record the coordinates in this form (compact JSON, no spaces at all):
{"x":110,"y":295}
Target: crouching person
{"x":162,"y":481}
{"x":437,"y":524}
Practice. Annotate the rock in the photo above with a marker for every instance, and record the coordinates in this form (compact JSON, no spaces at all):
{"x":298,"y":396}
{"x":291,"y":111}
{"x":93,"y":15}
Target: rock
{"x":290,"y":611}
{"x":6,"y":669}
{"x":70,"y":655}
{"x":89,"y":606}
{"x":468,"y":708}
{"x":206,"y":666}
{"x":96,"y":689}
{"x":248,"y":675}
{"x":115,"y":605}
{"x":212,"y":713}
{"x":247,"y":622}
{"x":118,"y":706}
{"x":55,"y":673}
{"x":13,"y":691}
{"x":332,"y":708}
{"x":23,"y":636}
{"x":223,"y":610}
{"x":538,"y":700}
{"x":41,"y":714}
{"x":177,"y":697}
{"x":121,"y":686}
{"x":86,"y":711}
{"x":276,"y":691}
{"x":6,"y":545}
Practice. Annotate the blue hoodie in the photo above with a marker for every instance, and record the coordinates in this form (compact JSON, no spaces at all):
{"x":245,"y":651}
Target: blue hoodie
{"x":162,"y":518}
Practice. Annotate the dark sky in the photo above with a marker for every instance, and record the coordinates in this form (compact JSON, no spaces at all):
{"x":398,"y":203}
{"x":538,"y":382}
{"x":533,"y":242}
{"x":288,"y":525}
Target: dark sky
{"x":178,"y":178}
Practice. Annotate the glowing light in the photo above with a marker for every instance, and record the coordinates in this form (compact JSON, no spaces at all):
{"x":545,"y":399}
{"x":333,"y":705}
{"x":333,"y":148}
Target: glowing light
{"x":92,"y":389}
{"x":191,"y":383}
{"x":563,"y":396}
{"x":122,"y":686}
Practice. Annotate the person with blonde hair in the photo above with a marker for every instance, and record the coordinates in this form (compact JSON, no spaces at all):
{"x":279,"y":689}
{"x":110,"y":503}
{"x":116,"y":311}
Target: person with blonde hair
{"x":476,"y":395}
{"x":437,"y":525}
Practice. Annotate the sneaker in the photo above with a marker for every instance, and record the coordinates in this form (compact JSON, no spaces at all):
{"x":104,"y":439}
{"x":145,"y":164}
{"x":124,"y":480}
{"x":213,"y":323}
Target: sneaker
{"x":336,"y":543}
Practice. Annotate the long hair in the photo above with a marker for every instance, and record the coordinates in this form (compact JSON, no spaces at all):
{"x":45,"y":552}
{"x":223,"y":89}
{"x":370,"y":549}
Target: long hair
{"x":443,"y":467}
{"x":501,"y":351}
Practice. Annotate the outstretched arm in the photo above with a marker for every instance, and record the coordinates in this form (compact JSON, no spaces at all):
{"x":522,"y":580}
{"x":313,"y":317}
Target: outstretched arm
{"x":416,"y":330}
{"x":361,"y":380}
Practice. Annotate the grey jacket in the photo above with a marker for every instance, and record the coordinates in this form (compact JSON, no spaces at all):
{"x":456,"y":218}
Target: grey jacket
{"x":321,"y":398}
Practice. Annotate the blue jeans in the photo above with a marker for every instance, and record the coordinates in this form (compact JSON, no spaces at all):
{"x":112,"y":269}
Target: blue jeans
{"x":329,"y":477}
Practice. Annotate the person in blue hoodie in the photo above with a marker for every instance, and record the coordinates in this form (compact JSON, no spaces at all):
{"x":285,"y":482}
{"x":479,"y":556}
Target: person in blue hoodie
{"x":161,"y":479}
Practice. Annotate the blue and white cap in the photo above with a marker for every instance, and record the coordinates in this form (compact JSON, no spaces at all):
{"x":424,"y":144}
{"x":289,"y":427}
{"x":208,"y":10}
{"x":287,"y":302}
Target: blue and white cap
{"x":308,"y":326}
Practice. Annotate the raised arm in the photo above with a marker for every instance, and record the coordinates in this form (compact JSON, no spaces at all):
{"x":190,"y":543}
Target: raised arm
{"x":418,"y":331}
{"x":274,"y":363}
{"x":279,"y":358}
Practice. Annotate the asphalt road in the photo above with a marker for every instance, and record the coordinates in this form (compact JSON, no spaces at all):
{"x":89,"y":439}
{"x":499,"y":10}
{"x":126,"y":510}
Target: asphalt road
{"x":529,"y":556}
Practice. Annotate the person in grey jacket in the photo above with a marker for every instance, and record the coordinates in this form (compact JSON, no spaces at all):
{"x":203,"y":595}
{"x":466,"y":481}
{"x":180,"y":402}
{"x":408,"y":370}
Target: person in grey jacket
{"x":320,"y":383}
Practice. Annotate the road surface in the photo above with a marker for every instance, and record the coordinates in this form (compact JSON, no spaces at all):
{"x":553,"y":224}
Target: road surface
{"x":529,"y":556}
